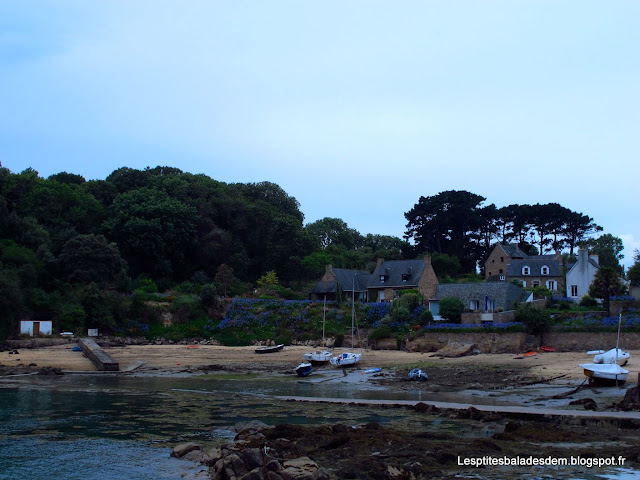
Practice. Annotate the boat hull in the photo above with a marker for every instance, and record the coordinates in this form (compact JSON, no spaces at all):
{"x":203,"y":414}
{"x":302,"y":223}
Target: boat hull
{"x":304,"y":369}
{"x":605,"y":374}
{"x":346,"y":359}
{"x":317,"y":357}
{"x":271,"y":349}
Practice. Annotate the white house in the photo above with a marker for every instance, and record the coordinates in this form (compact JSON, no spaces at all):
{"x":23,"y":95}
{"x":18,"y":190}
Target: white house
{"x":33,"y":328}
{"x":581,"y":274}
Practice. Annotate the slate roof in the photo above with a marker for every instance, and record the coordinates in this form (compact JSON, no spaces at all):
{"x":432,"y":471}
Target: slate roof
{"x":346,"y":276}
{"x":393,"y":270}
{"x":513,"y":250}
{"x":514,"y":269}
{"x":505,"y":294}
{"x":324,"y":287}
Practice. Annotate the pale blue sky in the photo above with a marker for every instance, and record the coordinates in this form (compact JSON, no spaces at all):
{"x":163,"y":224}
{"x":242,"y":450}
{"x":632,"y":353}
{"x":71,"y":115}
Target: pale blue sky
{"x":356,"y":108}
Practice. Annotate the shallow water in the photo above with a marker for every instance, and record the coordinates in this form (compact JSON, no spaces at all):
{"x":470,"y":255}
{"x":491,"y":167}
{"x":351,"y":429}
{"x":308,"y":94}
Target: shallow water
{"x":85,"y":427}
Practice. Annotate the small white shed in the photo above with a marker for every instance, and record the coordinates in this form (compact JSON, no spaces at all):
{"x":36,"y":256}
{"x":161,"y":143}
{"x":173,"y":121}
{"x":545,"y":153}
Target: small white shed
{"x":33,"y":328}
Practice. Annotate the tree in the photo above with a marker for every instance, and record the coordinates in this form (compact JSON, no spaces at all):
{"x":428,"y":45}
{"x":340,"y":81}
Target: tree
{"x":268,"y":283}
{"x":333,"y":231}
{"x":606,"y":283}
{"x":208,"y":295}
{"x":449,"y":222}
{"x":536,"y":320}
{"x":155,"y":233}
{"x":91,"y":258}
{"x":445,"y":266}
{"x":451,"y":308}
{"x":225,"y":277}
{"x":577,"y":228}
{"x":609,"y":250}
{"x":633,"y":274}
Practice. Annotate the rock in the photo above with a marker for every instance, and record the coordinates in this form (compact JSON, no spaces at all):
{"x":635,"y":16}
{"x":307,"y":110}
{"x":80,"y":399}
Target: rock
{"x":184,"y":448}
{"x":255,"y":474}
{"x":587,"y":403}
{"x":456,"y":349}
{"x":631,"y":400}
{"x":253,"y":458}
{"x":197,"y":456}
{"x":302,"y":468}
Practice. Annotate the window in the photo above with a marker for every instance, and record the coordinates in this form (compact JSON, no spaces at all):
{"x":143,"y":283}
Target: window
{"x":502,"y":277}
{"x":382,"y":278}
{"x":500,"y":271}
{"x":526,"y":270}
{"x":489,"y":273}
{"x":474,"y":305}
{"x":574,"y":290}
{"x":524,"y":283}
{"x":552,"y":285}
{"x":544,"y":270}
{"x":502,"y":259}
{"x":405,"y":277}
{"x":535,"y":283}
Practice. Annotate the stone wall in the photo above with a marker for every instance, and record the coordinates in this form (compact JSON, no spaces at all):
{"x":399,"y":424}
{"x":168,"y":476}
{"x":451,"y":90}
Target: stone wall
{"x":518,"y":342}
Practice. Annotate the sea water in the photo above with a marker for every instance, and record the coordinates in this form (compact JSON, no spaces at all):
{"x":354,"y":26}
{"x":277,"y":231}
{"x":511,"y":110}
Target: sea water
{"x":124,"y":427}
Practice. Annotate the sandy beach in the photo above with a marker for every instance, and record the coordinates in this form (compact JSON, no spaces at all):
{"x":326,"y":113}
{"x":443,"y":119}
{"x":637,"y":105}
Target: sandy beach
{"x":524,"y":377}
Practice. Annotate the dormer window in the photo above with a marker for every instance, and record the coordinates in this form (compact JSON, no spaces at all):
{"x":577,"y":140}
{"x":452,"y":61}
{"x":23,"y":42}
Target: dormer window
{"x":544,"y":270}
{"x":382,"y":278}
{"x":526,"y":271}
{"x":405,"y":277}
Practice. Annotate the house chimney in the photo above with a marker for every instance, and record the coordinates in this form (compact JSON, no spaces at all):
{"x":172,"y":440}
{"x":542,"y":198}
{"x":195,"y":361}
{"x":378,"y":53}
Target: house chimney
{"x":583,"y":256}
{"x":379,"y":261}
{"x":427,"y":260}
{"x":327,"y":268}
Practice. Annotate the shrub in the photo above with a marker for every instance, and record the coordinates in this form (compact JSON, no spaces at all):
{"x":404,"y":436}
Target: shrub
{"x":536,"y":320}
{"x":383,"y":331}
{"x":426,"y":317}
{"x":588,"y":302}
{"x":451,"y":308}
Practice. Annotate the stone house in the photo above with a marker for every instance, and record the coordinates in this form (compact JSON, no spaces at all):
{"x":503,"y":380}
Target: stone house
{"x":484,"y":299}
{"x":509,"y":262}
{"x":581,"y":274}
{"x":383,"y":285}
{"x":341,"y":284}
{"x":391,"y":276}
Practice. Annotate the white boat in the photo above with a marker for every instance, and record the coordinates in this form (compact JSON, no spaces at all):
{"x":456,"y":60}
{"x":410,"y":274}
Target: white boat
{"x":417,"y":374}
{"x":349,"y":358}
{"x":323,"y":355}
{"x":615,"y":355}
{"x":303,"y":369}
{"x":318,"y":356}
{"x":605,"y":373}
{"x":346,"y":359}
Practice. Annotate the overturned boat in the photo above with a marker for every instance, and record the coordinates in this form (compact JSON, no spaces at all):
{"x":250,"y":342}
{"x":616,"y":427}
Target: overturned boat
{"x":615,"y":355}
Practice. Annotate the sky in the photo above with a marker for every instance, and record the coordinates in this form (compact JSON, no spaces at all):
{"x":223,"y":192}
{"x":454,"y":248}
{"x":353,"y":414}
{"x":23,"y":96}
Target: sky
{"x":356,"y":108}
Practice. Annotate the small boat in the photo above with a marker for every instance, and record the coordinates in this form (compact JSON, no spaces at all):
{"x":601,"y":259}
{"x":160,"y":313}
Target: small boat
{"x":373,"y":370}
{"x":346,"y":359}
{"x":605,"y":373}
{"x":318,"y":356}
{"x":270,"y":349}
{"x":615,"y":355}
{"x":304,"y":369}
{"x":417,"y":374}
{"x":547,"y":349}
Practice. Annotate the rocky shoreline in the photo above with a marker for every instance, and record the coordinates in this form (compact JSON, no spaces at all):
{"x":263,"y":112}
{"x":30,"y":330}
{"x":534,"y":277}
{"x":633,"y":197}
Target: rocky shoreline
{"x":340,"y":451}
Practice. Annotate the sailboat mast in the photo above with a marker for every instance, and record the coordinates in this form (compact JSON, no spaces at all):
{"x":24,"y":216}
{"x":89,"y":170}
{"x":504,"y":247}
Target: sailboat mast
{"x":618,"y":339}
{"x":324,"y":315}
